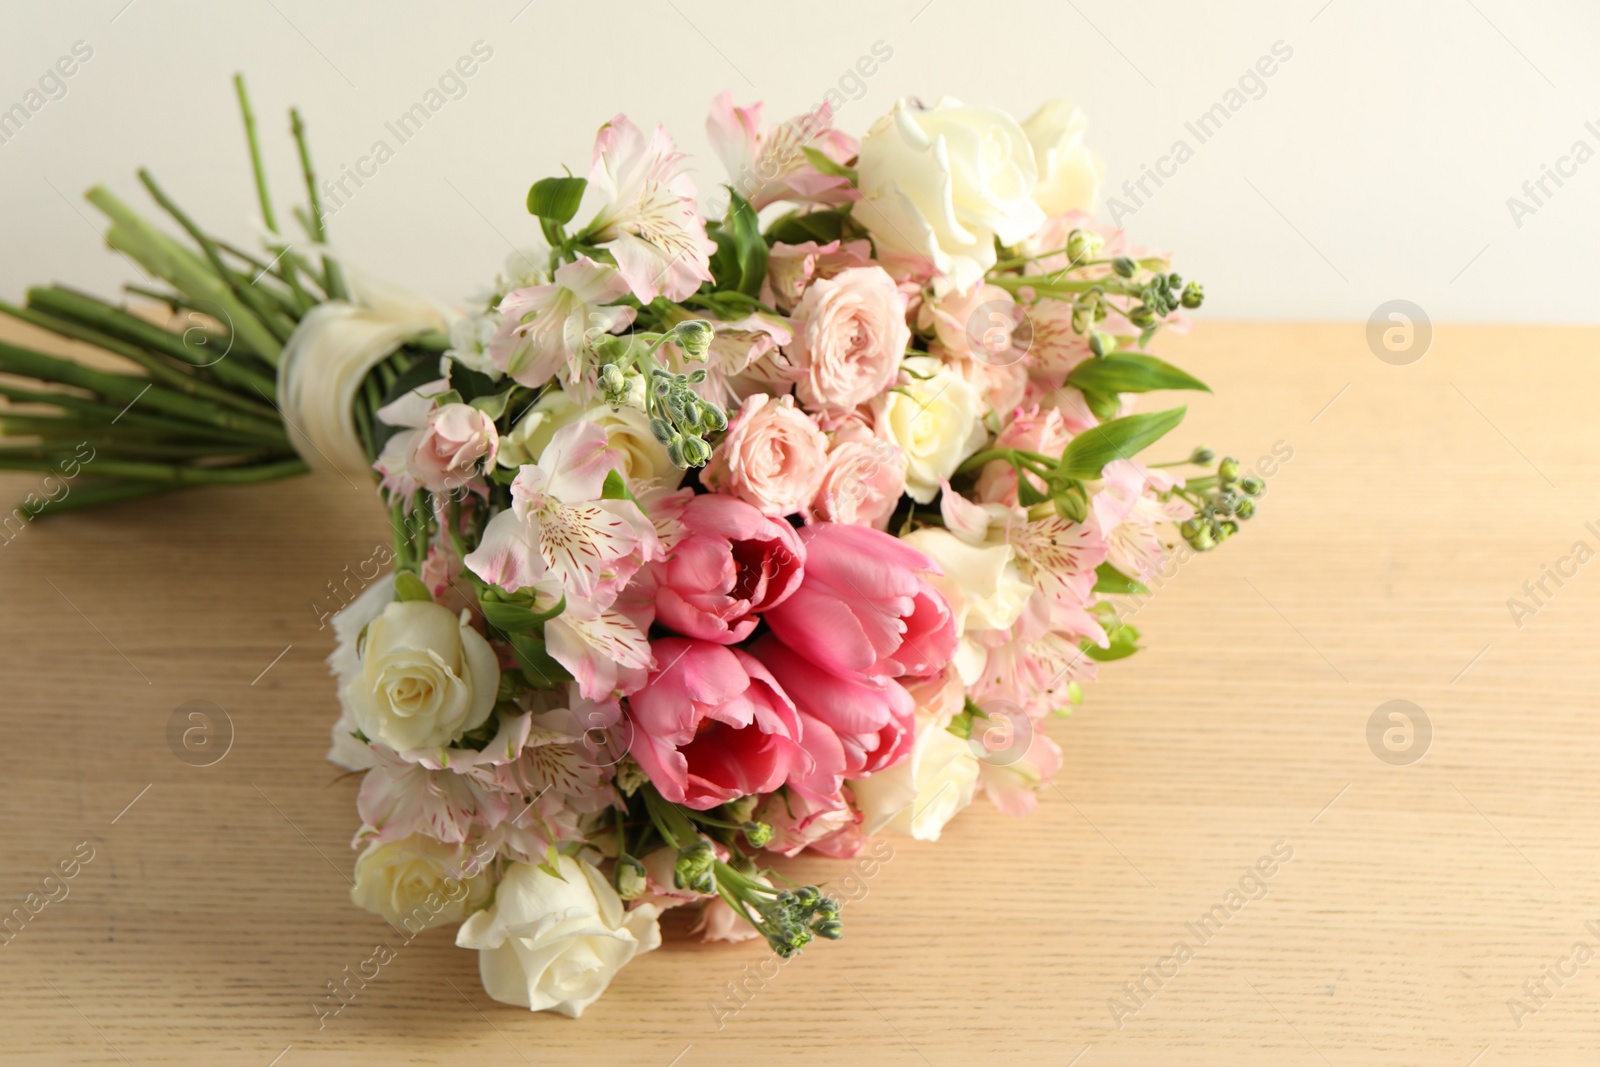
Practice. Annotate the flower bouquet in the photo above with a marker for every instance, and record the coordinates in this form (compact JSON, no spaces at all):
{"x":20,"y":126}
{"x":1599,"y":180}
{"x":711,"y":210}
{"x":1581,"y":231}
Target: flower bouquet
{"x":715,"y":538}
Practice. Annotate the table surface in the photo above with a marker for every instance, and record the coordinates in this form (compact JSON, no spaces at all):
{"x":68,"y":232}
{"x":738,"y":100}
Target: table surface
{"x":1431,"y":911}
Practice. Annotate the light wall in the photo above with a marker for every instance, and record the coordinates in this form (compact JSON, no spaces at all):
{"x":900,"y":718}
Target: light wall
{"x":1376,"y":163}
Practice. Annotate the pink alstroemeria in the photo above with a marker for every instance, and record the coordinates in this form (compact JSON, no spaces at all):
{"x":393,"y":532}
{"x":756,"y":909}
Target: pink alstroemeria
{"x":1126,"y":513}
{"x":547,"y":329}
{"x":768,"y":165}
{"x":559,"y":525}
{"x":649,"y":222}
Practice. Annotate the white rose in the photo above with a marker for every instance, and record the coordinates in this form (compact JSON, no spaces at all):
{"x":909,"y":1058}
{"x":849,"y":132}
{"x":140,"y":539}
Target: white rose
{"x":1070,"y":176}
{"x":985,"y":589}
{"x":426,"y":678}
{"x":921,"y":793}
{"x":345,"y":663}
{"x":945,"y":182}
{"x":936,"y":420}
{"x":643,"y":458}
{"x":554,"y":944}
{"x":411,"y":883}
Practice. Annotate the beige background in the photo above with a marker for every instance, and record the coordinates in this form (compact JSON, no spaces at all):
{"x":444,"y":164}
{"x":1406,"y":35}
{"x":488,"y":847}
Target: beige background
{"x":1375,"y":162}
{"x":1418,"y":901}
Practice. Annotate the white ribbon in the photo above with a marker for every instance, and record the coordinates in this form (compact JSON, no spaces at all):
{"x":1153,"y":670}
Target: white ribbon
{"x":329,"y":355}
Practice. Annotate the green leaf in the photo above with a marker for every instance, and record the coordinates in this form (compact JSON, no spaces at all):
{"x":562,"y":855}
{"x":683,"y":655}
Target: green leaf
{"x":614,"y":488}
{"x":740,"y":262}
{"x":1130,"y":372}
{"x":796,"y":228}
{"x":556,"y":199}
{"x":824,"y":165}
{"x":538,"y":667}
{"x":516,"y":617}
{"x":1110,"y":580}
{"x":1104,"y":405}
{"x":1087,"y":454}
{"x":1124,"y":643}
{"x":407,"y":586}
{"x":472,"y":384}
{"x":493,"y":404}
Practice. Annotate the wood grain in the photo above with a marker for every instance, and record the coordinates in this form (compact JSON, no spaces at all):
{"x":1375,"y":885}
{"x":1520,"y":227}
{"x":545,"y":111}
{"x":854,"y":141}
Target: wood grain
{"x":1418,"y":901}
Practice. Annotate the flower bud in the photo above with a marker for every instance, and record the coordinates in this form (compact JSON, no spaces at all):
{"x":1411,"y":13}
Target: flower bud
{"x":1228,"y":469}
{"x":1101,"y":344}
{"x":1193,"y":295}
{"x":694,"y":868}
{"x":1252,"y":485}
{"x":1124,"y":266}
{"x":1201,"y":456}
{"x":695,"y":337}
{"x":1084,"y":244}
{"x":757,"y":833}
{"x":1245,"y":509}
{"x":662,"y":429}
{"x":630,"y":878}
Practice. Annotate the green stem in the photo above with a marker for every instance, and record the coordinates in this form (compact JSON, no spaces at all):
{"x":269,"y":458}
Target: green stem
{"x":255,"y":153}
{"x":333,"y":277}
{"x":168,"y":474}
{"x":270,"y":316}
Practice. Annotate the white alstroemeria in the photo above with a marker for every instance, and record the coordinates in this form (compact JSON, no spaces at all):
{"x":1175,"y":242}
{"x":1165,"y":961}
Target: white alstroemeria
{"x":547,"y":330}
{"x":648,"y":222}
{"x":470,"y":340}
{"x":559,"y":525}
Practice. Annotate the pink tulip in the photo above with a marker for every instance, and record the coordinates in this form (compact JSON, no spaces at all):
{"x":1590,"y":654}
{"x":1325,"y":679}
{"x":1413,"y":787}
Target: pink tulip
{"x":850,"y":729}
{"x":864,"y":611}
{"x":711,"y":725}
{"x":732,"y":564}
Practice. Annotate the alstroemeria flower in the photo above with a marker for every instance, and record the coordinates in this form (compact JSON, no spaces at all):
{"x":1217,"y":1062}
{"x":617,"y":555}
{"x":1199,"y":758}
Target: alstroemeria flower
{"x":768,"y":165}
{"x":558,"y":524}
{"x":649,"y":222}
{"x":1126,"y":515}
{"x":547,"y":329}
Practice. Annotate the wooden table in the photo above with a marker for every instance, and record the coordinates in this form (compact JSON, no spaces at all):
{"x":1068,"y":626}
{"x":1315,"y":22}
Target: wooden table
{"x":1422,"y":904}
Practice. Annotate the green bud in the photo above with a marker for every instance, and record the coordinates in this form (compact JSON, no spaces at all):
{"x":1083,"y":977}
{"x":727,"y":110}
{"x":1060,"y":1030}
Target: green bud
{"x":1101,"y":344}
{"x":758,"y":834}
{"x":694,"y":867}
{"x":1201,"y":456}
{"x":1142,"y":316}
{"x":675,"y":452}
{"x":713,"y":419}
{"x":1228,"y":469}
{"x":661,"y":428}
{"x":1245,"y":509}
{"x":697,"y":376}
{"x":1124,"y":266}
{"x":831,"y":929}
{"x":695,"y":337}
{"x":1174,"y":281}
{"x":1084,"y":244}
{"x":1193,"y":295}
{"x":661,"y":385}
{"x":1252,"y":485}
{"x":696,"y":453}
{"x":630,"y":878}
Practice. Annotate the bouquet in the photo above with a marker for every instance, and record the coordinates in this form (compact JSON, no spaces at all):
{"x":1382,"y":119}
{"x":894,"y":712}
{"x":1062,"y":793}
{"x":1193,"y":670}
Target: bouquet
{"x":717,"y":536}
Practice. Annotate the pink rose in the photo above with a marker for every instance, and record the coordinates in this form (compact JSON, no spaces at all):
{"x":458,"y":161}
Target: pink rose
{"x":457,"y":442}
{"x":790,"y":268}
{"x":864,"y":611}
{"x":732,"y":564}
{"x":850,"y":334}
{"x":862,"y":483}
{"x":773,"y":456}
{"x":1032,"y":429}
{"x":850,"y":728}
{"x":830,"y":827}
{"x":711,"y":725}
